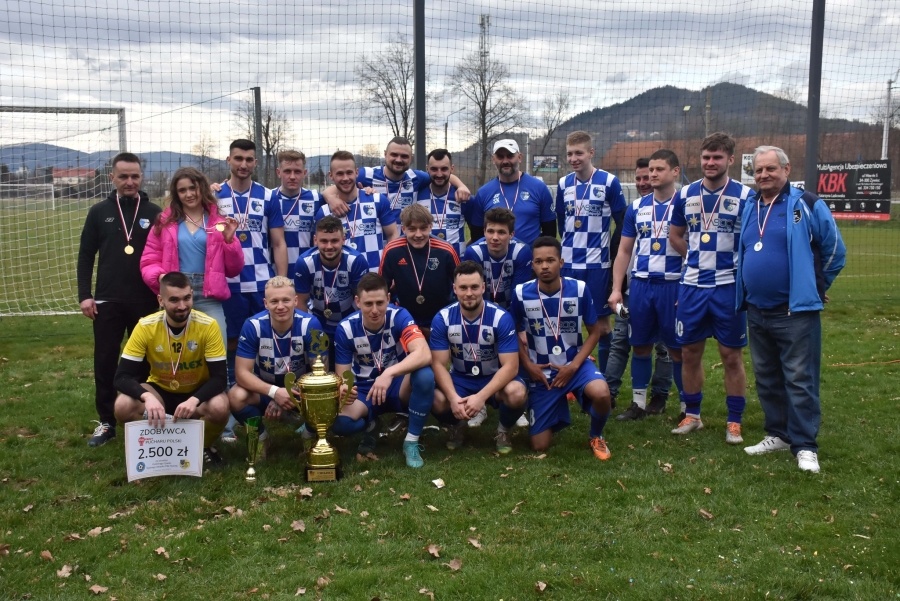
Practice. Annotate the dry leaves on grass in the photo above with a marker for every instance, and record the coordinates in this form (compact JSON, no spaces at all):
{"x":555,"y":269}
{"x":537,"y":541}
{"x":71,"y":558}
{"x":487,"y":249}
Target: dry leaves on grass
{"x":405,"y":497}
{"x":340,"y":509}
{"x":363,"y":514}
{"x":73,"y":536}
{"x":427,"y":593}
{"x":438,"y":483}
{"x":305,"y":493}
{"x":161,"y":551}
{"x":706,"y":515}
{"x":4,"y":549}
{"x":540,"y":587}
{"x":298,"y":526}
{"x":566,"y":514}
{"x":432,"y":508}
{"x":707,"y":491}
{"x":65,"y":571}
{"x":619,"y":482}
{"x":267,"y":527}
{"x":160,"y":577}
{"x":98,"y":590}
{"x":28,"y":508}
{"x":46,"y":556}
{"x":774,"y":513}
{"x":434,"y":550}
{"x":666,"y":467}
{"x":474,"y":542}
{"x":300,"y":591}
{"x":454,"y":564}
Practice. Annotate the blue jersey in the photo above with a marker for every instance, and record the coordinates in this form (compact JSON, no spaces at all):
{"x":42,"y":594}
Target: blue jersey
{"x":276,"y":355}
{"x":471,"y":345}
{"x":502,"y":275}
{"x":370,"y":353}
{"x":528,"y":199}
{"x":400,"y":194}
{"x":584,"y":213}
{"x":254,"y":223}
{"x":330,"y":289}
{"x":449,"y":217}
{"x":364,"y":225}
{"x":557,"y":324}
{"x":712,"y":231}
{"x":299,"y":213}
{"x":647,"y":221}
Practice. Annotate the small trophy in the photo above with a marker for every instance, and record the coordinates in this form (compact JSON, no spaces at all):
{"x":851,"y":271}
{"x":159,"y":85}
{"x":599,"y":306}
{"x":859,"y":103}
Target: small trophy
{"x":252,"y":428}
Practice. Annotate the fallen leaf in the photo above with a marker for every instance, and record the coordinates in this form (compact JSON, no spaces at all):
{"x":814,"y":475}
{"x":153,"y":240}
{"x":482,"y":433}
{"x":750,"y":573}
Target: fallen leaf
{"x":434,"y":550}
{"x":454,"y":564}
{"x":706,"y":515}
{"x":253,"y":590}
{"x":230,"y":509}
{"x":540,"y":586}
{"x":358,"y":488}
{"x":45,"y":555}
{"x":298,"y":526}
{"x":361,"y":458}
{"x":300,"y":591}
{"x":567,"y":513}
{"x":160,"y":577}
{"x":87,"y":577}
{"x":267,"y":527}
{"x":73,"y":536}
{"x":161,"y":551}
{"x":619,"y":482}
{"x":404,"y":497}
{"x":774,"y":512}
{"x":862,"y":536}
{"x":363,"y":514}
{"x":829,"y":519}
{"x":707,"y":491}
{"x":305,"y":492}
{"x":474,"y":542}
{"x":425,"y":591}
{"x":504,"y":475}
{"x":282,"y":540}
{"x":65,"y":571}
{"x":848,"y":566}
{"x":438,"y":483}
{"x":432,"y":508}
{"x":95,"y":531}
{"x":340,"y":509}
{"x":4,"y":549}
{"x":322,"y":581}
{"x":27,"y":508}
{"x":97,"y":589}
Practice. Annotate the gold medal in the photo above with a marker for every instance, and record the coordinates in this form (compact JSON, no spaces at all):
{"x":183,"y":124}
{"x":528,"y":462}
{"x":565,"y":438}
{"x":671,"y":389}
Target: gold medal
{"x":129,"y":250}
{"x":420,"y":299}
{"x":656,"y":246}
{"x":326,"y":313}
{"x":704,"y":238}
{"x":442,"y":235}
{"x":174,"y":384}
{"x":220,"y":227}
{"x":578,"y":223}
{"x":243,"y":237}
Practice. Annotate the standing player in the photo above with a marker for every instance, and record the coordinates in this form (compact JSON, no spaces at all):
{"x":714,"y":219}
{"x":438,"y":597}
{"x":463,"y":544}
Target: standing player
{"x":440,"y":199}
{"x":506,"y":260}
{"x":478,"y":339}
{"x":368,"y":221}
{"x":587,"y":201}
{"x":279,"y":340}
{"x":117,"y":229}
{"x":418,"y":268}
{"x":391,"y":363}
{"x":298,"y":205}
{"x":549,"y":313}
{"x":326,"y":277}
{"x":523,"y":194}
{"x":709,"y":211}
{"x":187,"y":366}
{"x":654,"y":280}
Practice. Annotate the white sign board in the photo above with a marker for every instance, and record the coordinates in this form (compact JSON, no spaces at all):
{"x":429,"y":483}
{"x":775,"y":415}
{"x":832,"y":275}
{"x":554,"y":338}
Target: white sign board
{"x":747,"y":170}
{"x":176,"y":449}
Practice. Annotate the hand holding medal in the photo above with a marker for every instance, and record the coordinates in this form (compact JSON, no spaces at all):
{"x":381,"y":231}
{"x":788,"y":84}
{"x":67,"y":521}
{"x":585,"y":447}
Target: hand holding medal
{"x":228,"y":228}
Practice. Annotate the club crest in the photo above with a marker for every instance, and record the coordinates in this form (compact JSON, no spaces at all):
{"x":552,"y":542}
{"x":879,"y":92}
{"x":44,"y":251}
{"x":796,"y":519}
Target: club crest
{"x":487,"y":335}
{"x":569,"y":307}
{"x":145,"y":223}
{"x":797,"y":215}
{"x":596,"y":192}
{"x":433,"y":263}
{"x":368,"y":210}
{"x":192,"y":345}
{"x":526,"y":195}
{"x":256,"y":205}
{"x":729,"y":204}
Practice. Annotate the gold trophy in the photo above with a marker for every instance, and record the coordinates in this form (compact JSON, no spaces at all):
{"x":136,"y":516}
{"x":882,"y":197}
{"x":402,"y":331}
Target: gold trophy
{"x":252,"y":427}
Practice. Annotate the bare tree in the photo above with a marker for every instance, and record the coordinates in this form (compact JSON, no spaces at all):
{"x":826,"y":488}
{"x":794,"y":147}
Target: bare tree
{"x":276,"y":133}
{"x":554,"y":112}
{"x":495,"y":108}
{"x":370,"y":155}
{"x":203,"y":150}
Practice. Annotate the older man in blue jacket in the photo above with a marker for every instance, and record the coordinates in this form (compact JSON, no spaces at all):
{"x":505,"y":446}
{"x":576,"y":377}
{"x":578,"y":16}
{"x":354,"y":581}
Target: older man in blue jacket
{"x":790,"y":252}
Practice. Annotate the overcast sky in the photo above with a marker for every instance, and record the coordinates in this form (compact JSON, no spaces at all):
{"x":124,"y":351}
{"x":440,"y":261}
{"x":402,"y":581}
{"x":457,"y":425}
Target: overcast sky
{"x":156,"y":59}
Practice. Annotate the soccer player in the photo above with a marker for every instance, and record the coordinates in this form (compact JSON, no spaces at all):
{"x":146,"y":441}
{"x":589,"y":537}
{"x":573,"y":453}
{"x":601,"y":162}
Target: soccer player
{"x":369,"y":223}
{"x":391,"y":363}
{"x":298,"y":205}
{"x":187,"y":366}
{"x":326,"y":277}
{"x":394,"y":180}
{"x":654,"y":281}
{"x":787,"y":262}
{"x":117,"y":229}
{"x":260,"y":225}
{"x":478,"y":339}
{"x":506,"y":260}
{"x":549,"y":313}
{"x":586,"y":203}
{"x":279,"y":340}
{"x":523,"y":194}
{"x":709,"y":213}
{"x":418,"y":268}
{"x":440,"y":199}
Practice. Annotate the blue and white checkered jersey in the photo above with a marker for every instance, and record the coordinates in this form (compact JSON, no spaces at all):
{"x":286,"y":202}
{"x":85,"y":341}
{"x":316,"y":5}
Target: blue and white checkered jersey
{"x":361,"y":349}
{"x":466,"y":341}
{"x":364,"y":225}
{"x":299,"y":212}
{"x":712,"y":262}
{"x":449,"y":217}
{"x":400,"y":194}
{"x":263,"y":216}
{"x":649,"y":264}
{"x":566,"y":312}
{"x":337,"y":284}
{"x":502,"y":275}
{"x":275,"y":354}
{"x":584,"y":213}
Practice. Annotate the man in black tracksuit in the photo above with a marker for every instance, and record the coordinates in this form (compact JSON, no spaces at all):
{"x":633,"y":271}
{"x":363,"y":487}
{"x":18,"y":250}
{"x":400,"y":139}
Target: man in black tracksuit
{"x":117,"y":229}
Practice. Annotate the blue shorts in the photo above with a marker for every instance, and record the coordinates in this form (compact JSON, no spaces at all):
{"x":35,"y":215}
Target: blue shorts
{"x":549,"y":409}
{"x":391,"y":404}
{"x":652,"y":306}
{"x":239,"y":307}
{"x":597,"y":281}
{"x":709,"y":312}
{"x":469,"y":385}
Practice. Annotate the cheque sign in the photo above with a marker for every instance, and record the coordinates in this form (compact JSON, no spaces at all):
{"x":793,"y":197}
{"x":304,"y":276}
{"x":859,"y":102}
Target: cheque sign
{"x":860,"y":190}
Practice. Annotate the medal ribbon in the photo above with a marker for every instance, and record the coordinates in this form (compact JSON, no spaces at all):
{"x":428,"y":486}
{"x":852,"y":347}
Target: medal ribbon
{"x":658,"y":230}
{"x":554,"y":331}
{"x":416,"y":271}
{"x":587,"y":189}
{"x":333,"y":280}
{"x":201,"y":225}
{"x":296,"y":202}
{"x":177,"y":363}
{"x":496,"y":288}
{"x":378,"y":359}
{"x":354,"y":226}
{"x":396,"y":198}
{"x":476,"y":354}
{"x":707,"y":222}
{"x":127,"y":231}
{"x":244,"y":215}
{"x":276,"y":343}
{"x":515,"y":198}
{"x":762,"y":228}
{"x":443,"y":217}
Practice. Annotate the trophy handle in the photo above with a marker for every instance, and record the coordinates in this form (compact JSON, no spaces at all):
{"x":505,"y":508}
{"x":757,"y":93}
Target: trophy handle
{"x":290,"y":379}
{"x":349,"y":381}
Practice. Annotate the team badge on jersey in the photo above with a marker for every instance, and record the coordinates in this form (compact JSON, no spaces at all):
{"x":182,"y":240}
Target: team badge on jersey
{"x":729,"y":204}
{"x":595,"y":190}
{"x":433,"y":263}
{"x":488,"y":336}
{"x":192,"y":345}
{"x":569,"y":307}
{"x":798,"y":215}
{"x":368,"y":210}
{"x":145,"y":223}
{"x":257,"y":206}
{"x":526,"y":195}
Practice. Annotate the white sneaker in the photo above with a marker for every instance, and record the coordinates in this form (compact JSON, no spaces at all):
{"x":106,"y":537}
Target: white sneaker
{"x":768,"y":444}
{"x":808,"y":461}
{"x":688,"y":424}
{"x":522,"y":422}
{"x":479,"y":419}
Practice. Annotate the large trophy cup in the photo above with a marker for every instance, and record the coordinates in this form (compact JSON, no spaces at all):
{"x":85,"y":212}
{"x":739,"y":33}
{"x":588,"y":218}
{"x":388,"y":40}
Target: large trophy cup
{"x":320,"y":403}
{"x":252,"y":426}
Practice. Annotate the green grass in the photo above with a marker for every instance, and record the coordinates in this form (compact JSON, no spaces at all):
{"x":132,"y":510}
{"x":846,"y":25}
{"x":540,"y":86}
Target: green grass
{"x":624,"y":529}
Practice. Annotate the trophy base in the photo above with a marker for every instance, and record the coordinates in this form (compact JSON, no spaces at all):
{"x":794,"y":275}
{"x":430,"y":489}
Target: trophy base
{"x":323,"y":474}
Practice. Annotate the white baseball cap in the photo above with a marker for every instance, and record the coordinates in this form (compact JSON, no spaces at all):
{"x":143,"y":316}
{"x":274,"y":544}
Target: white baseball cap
{"x":510,"y":145}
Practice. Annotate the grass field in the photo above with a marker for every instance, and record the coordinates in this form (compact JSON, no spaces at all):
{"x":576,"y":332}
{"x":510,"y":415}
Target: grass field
{"x":630,"y":528}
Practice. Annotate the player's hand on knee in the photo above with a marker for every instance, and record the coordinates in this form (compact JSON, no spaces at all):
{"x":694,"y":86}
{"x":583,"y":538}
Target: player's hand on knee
{"x":186,"y":409}
{"x":273,"y":411}
{"x":460,"y":408}
{"x":378,"y":392}
{"x":563,"y":375}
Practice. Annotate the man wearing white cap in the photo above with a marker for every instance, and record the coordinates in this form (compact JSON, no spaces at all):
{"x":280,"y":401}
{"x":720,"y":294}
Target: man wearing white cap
{"x":526,"y":196}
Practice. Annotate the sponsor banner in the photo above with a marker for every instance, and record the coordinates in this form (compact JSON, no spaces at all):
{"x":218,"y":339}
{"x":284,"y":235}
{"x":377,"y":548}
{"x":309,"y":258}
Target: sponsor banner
{"x":544,"y":162}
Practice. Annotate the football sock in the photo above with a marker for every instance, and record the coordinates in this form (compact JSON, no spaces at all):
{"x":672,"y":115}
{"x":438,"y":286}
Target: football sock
{"x":445,"y":417}
{"x":603,"y":352}
{"x":641,"y":368}
{"x":692,"y":403}
{"x":411,"y":437}
{"x":344,"y":425}
{"x":247,"y":412}
{"x":211,"y":433}
{"x":509,"y":416}
{"x":735,"y":406}
{"x":598,"y":422}
{"x":420,"y":400}
{"x":679,"y":385}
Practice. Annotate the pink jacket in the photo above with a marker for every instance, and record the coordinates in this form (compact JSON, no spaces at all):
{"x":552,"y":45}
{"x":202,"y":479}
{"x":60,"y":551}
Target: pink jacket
{"x":222,"y":260}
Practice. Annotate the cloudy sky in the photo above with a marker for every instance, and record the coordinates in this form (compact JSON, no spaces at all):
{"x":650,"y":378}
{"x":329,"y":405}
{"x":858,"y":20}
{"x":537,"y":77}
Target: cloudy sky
{"x":180,"y":68}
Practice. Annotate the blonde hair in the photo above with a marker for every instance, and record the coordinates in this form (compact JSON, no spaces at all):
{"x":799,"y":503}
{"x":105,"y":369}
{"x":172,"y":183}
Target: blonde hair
{"x":579,"y":137}
{"x":416,"y":214}
{"x":279,"y":281}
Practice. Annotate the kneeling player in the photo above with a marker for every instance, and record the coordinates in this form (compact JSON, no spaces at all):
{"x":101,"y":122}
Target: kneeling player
{"x":273,"y":343}
{"x":549,"y":313}
{"x":187,"y":366}
{"x":391,"y":362}
{"x":481,"y":337}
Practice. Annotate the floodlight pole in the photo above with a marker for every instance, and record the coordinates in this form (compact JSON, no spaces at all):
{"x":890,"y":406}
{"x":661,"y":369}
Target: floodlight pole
{"x":419,"y":93}
{"x":257,"y":120}
{"x":887,"y":118}
{"x":816,"y":42}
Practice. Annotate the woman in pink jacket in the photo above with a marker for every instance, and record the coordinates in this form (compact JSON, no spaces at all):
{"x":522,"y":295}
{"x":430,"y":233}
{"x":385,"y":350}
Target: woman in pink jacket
{"x":190,"y":236}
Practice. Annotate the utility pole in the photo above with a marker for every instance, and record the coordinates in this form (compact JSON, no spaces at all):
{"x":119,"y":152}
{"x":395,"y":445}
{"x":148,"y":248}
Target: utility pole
{"x":817,"y":39}
{"x":419,"y":81}
{"x":887,"y":118}
{"x":708,"y":107}
{"x":484,"y":23}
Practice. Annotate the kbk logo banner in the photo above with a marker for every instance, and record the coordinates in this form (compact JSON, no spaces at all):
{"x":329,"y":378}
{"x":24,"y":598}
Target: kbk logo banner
{"x":860,"y":190}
